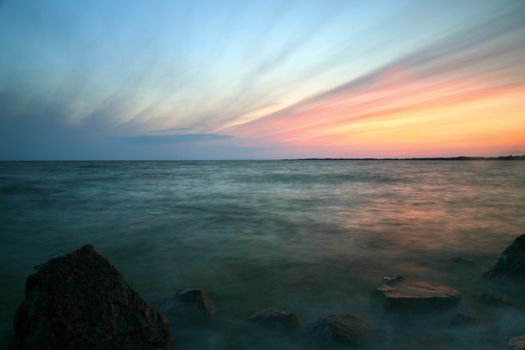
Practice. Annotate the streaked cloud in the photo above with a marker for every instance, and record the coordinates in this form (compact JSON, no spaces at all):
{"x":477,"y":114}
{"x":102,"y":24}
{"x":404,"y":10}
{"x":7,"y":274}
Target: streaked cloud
{"x":261,"y":79}
{"x":474,"y":69}
{"x":177,"y":138}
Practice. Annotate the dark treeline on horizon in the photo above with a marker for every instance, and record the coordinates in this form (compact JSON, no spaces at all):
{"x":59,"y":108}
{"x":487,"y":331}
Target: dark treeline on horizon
{"x":520,"y":157}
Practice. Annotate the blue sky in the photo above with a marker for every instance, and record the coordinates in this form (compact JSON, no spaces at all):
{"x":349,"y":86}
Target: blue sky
{"x":192,"y":79}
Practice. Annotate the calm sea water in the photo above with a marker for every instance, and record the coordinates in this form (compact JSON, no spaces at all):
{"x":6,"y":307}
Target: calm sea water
{"x":315,"y":237}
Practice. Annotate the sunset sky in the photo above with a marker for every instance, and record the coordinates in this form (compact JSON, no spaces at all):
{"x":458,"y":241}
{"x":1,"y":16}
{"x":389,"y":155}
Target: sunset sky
{"x":265,"y":79}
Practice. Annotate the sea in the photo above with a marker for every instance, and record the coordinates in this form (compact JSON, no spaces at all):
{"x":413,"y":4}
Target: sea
{"x":315,"y":237}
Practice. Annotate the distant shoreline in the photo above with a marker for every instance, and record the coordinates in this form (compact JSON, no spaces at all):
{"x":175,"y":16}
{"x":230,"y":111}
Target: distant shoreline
{"x":522,"y":157}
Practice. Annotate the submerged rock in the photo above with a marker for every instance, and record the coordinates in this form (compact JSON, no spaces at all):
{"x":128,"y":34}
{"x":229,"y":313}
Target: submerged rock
{"x":493,"y":300}
{"x":461,"y":319}
{"x":343,"y":330}
{"x":517,"y":343}
{"x":190,"y":307}
{"x":80,"y":301}
{"x":196,"y":298}
{"x":511,"y":262}
{"x":418,"y":293}
{"x":277,"y":319}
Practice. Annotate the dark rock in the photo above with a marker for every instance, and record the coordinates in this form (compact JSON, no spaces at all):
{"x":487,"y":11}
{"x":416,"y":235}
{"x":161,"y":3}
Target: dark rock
{"x":517,"y":343}
{"x":493,"y":300}
{"x":344,"y":330}
{"x":461,"y":319}
{"x":80,"y":301}
{"x":388,"y":280}
{"x":190,"y":307}
{"x":418,"y":293}
{"x":461,"y":261}
{"x":276,"y":319}
{"x":511,"y":262}
{"x":196,"y":298}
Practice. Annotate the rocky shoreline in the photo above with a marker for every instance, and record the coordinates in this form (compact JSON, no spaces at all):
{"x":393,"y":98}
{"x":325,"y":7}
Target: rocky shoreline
{"x":81,"y":301}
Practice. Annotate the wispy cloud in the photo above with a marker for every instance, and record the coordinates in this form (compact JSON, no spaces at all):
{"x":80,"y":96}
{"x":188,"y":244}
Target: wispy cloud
{"x":274,"y":78}
{"x":176,"y":138}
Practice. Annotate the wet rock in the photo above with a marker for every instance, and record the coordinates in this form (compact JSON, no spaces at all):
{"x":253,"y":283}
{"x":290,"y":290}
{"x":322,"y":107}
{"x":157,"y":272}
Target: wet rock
{"x":277,"y":319}
{"x":461,"y":319}
{"x":517,"y":343}
{"x":190,"y":307}
{"x":493,"y":300}
{"x":196,"y":298}
{"x":511,"y":262}
{"x":388,"y":280}
{"x":80,"y":301}
{"x":344,"y":330}
{"x":418,"y":293}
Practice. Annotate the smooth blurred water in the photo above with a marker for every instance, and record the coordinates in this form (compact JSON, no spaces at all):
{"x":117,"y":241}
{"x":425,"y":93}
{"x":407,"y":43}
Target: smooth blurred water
{"x":315,"y":237}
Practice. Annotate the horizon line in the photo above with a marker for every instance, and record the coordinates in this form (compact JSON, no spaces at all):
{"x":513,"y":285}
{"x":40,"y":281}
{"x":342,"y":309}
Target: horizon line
{"x":455,"y":158}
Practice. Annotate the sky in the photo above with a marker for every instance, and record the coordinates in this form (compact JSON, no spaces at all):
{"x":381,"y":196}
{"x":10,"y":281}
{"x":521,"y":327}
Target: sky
{"x":268,"y":79}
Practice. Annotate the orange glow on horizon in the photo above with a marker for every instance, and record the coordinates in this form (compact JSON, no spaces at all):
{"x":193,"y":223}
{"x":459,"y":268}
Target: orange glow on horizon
{"x":399,"y":112}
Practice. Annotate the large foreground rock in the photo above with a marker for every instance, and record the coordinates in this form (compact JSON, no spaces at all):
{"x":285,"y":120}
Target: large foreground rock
{"x":344,"y":330}
{"x":278,"y":319}
{"x":417,"y":293}
{"x":511,"y":262}
{"x":80,"y":301}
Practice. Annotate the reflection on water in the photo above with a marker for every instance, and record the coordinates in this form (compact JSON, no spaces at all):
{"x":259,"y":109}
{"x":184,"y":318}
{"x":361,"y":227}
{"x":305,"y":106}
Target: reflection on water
{"x":315,"y":237}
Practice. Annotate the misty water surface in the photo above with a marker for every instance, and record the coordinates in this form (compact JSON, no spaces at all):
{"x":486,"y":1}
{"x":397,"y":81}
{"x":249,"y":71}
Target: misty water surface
{"x":315,"y":237}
